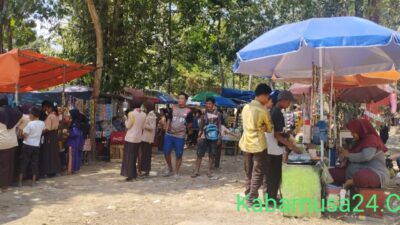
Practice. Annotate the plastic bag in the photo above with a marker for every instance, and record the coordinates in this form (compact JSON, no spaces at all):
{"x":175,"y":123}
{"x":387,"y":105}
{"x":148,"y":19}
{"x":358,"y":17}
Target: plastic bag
{"x":326,"y":177}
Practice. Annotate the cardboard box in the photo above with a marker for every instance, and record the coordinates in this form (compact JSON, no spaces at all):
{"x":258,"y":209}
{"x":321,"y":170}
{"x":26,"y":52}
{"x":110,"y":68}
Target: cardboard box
{"x":116,"y":152}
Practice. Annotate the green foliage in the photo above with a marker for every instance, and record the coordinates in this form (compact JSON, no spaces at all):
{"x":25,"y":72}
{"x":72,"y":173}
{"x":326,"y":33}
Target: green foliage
{"x":203,"y":35}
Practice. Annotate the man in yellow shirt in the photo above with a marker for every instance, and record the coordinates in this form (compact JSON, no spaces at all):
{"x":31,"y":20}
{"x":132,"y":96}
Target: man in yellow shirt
{"x":256,"y":121}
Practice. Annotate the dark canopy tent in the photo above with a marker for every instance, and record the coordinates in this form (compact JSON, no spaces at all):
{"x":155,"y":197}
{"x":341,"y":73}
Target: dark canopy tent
{"x":54,"y":95}
{"x":223,"y":102}
{"x":236,"y":94}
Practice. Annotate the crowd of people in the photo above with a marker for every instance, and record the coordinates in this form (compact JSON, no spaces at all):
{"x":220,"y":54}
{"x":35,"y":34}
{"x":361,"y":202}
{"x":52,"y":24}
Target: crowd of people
{"x":39,"y":142}
{"x":43,"y":142}
{"x":174,"y":129}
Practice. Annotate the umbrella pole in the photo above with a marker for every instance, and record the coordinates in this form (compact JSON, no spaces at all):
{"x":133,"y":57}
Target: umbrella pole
{"x":250,"y":81}
{"x":331,"y":113}
{"x":321,"y":95}
{"x":16,"y":94}
{"x":63,"y":93}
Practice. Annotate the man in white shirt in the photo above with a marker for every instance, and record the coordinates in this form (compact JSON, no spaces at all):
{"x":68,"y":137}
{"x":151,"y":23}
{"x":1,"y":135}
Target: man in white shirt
{"x":277,"y":141}
{"x":31,"y":146}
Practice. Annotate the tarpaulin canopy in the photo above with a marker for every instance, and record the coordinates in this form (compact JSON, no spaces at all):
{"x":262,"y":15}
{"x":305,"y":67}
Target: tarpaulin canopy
{"x":234,"y":94}
{"x":54,"y":95}
{"x":202,"y":96}
{"x":32,"y":71}
{"x":222,"y":102}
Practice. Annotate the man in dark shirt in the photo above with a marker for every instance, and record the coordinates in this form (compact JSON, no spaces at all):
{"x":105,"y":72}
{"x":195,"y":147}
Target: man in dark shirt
{"x":276,"y":147}
{"x":208,"y":144}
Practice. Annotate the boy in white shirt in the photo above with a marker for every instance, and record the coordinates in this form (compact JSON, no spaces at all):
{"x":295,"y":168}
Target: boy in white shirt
{"x":30,"y":150}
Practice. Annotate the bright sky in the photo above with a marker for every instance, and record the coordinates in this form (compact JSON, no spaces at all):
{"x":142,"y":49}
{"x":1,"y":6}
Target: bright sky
{"x":42,"y":28}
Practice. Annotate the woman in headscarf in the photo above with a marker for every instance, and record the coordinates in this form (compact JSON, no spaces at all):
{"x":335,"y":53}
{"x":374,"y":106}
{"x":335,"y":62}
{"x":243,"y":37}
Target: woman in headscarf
{"x":9,"y":119}
{"x":50,"y":151}
{"x":366,"y":166}
{"x":75,"y":140}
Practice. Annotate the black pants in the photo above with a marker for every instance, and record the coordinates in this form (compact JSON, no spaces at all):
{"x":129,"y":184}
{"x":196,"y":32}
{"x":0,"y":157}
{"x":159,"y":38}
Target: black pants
{"x":160,"y":141}
{"x":274,"y":175}
{"x":218,"y":156}
{"x":29,"y":156}
{"x":145,"y":157}
{"x":194,"y":137}
{"x":6,"y":167}
{"x":129,"y":160}
{"x":255,"y":167}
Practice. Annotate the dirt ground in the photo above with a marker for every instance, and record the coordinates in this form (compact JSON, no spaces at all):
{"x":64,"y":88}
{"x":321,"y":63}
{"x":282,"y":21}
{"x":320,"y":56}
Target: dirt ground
{"x":99,"y":195}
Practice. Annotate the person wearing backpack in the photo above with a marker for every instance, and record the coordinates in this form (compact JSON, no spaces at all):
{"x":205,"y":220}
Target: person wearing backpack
{"x":209,"y":137}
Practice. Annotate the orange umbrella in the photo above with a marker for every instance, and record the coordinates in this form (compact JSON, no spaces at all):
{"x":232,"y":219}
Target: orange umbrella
{"x":363,"y":94}
{"x":10,"y":68}
{"x":358,"y":80}
{"x":33,"y":71}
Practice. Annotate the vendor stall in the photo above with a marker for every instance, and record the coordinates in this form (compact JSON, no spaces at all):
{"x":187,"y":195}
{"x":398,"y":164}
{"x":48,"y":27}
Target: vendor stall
{"x":320,"y":49}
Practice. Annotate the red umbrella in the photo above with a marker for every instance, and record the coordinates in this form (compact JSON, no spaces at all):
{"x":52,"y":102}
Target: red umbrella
{"x":364,"y":94}
{"x":137,"y":96}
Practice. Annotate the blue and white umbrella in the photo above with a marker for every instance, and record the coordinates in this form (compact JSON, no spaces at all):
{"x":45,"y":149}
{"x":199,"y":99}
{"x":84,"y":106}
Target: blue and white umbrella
{"x":338,"y":45}
{"x":341,"y":45}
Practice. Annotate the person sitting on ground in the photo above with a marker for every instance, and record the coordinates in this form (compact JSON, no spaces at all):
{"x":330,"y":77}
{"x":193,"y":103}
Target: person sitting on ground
{"x":366,"y":167}
{"x":209,"y":136}
{"x":31,"y":145}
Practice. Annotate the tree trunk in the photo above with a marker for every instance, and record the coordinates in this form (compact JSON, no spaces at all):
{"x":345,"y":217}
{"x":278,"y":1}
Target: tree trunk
{"x":9,"y":35}
{"x":169,"y":46}
{"x":374,"y":12}
{"x":220,"y":64}
{"x":99,"y":65}
{"x":3,"y":7}
{"x":358,"y":8}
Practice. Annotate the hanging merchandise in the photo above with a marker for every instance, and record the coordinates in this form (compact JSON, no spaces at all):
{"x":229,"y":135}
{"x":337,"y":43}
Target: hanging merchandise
{"x":316,"y":135}
{"x":323,"y":133}
{"x":307,"y":131}
{"x":104,"y":112}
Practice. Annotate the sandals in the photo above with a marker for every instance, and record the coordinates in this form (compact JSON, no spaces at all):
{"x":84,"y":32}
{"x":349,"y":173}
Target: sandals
{"x":195,"y":175}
